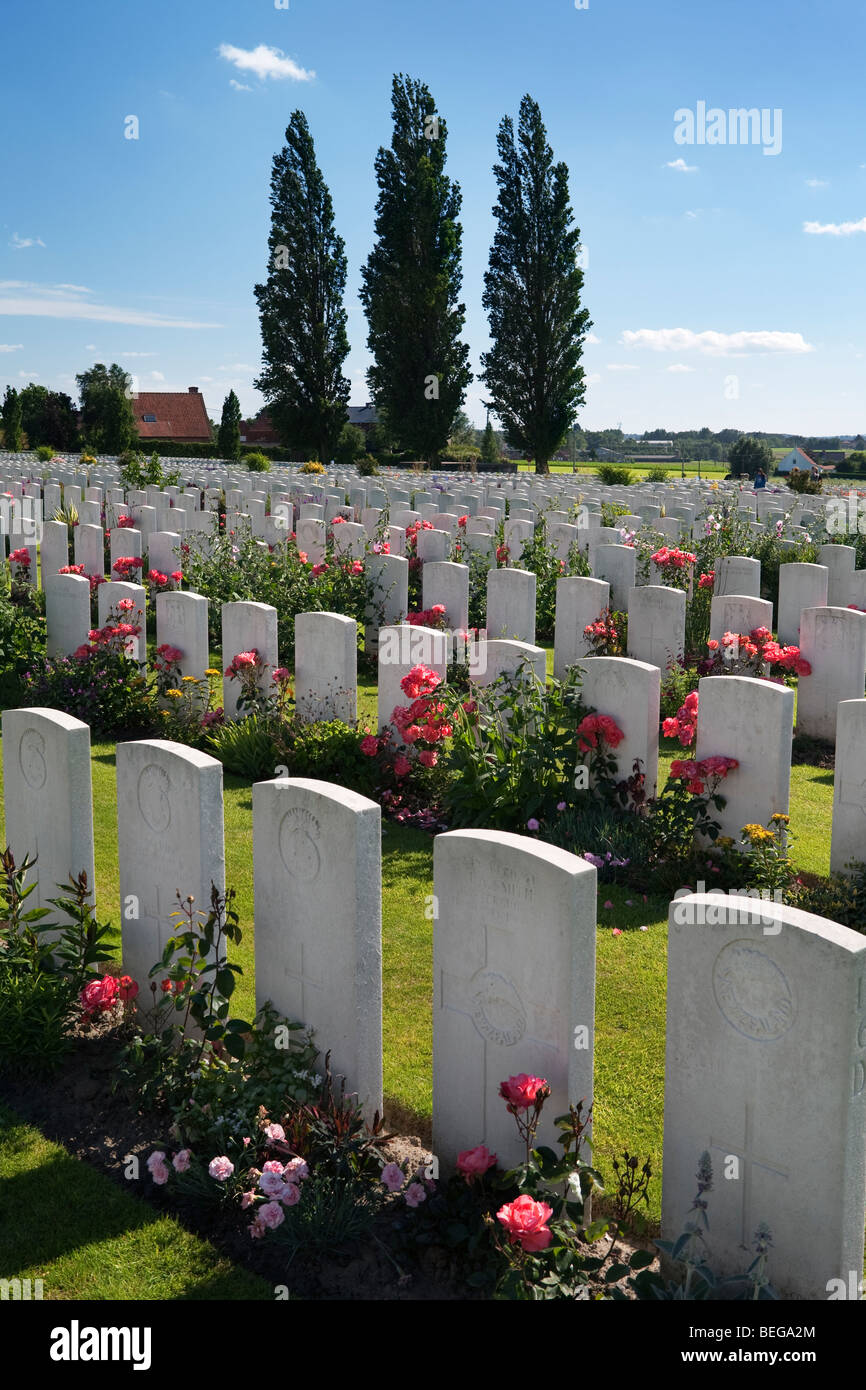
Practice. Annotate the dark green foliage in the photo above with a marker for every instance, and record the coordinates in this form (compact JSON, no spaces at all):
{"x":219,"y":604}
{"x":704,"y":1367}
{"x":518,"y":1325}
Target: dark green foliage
{"x":229,"y":437}
{"x":107,"y":417}
{"x":13,"y":434}
{"x":750,"y":454}
{"x":412,"y":279}
{"x":303,"y":321}
{"x":532,"y":294}
{"x":48,"y":418}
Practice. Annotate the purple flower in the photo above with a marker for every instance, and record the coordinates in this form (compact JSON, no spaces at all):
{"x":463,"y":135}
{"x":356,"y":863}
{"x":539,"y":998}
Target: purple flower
{"x":532,"y":824}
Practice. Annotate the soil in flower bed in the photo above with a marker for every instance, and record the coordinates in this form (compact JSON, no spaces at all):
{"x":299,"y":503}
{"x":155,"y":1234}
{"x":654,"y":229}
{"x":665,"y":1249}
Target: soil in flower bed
{"x":76,"y":1109}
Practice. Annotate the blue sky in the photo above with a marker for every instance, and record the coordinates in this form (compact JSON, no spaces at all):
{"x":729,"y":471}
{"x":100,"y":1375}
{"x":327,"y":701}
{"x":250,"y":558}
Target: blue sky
{"x":726,"y":286}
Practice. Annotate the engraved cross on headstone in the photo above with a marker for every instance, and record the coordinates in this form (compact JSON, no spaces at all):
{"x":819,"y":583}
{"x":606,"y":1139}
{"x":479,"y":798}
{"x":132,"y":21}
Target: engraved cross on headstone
{"x":299,"y":971}
{"x":745,"y":1152}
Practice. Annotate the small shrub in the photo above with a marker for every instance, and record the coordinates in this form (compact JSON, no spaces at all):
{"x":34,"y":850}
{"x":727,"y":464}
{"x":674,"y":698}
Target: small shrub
{"x":367,"y":466}
{"x":257,"y":463}
{"x":657,"y":475}
{"x":614,"y":475}
{"x":45,"y":453}
{"x":313,"y":466}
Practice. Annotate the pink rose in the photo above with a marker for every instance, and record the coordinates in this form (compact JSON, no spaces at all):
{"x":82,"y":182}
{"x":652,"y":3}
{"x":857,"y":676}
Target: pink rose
{"x":472,"y":1163}
{"x":273,"y":1165}
{"x":180,"y":1162}
{"x":401,"y":766}
{"x":271,"y":1184}
{"x":370,"y":746}
{"x":275,"y":1134}
{"x":296,"y":1170}
{"x":393,"y":1177}
{"x":271,"y":1215}
{"x":415,"y":1194}
{"x":156,"y":1158}
{"x":525,"y":1220}
{"x":522,"y":1091}
{"x":290,"y":1194}
{"x":159,"y":1173}
{"x":221,"y":1168}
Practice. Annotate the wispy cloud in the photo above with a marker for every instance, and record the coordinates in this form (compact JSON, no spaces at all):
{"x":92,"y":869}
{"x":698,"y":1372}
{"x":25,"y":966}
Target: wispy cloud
{"x":264,"y":63}
{"x":11,"y":347}
{"x":30,"y":376}
{"x":66,"y":302}
{"x":237,"y":367}
{"x":22,"y":242}
{"x":623,"y":367}
{"x":592,"y":338}
{"x":239,"y":86}
{"x":139,"y":354}
{"x":817,"y":183}
{"x":157,"y":376}
{"x":713,"y":344}
{"x":681,"y":167}
{"x":834,"y":228}
{"x":680,"y":367}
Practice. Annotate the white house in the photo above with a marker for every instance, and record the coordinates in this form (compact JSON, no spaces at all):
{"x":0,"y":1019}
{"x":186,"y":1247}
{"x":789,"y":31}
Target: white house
{"x":795,"y":458}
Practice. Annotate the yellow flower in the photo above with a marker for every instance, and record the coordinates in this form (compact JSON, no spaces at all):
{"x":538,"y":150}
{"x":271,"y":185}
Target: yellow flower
{"x":780,"y":819}
{"x":174,"y":694}
{"x":212,"y":671}
{"x":758,"y":833}
{"x":190,"y":678}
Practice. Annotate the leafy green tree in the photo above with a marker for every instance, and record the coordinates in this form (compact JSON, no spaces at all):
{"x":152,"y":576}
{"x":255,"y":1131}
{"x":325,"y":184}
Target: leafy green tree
{"x":107,"y":416}
{"x":13,"y":435}
{"x":412,"y":279}
{"x":350,"y":446}
{"x":303,"y":321}
{"x":48,"y":417}
{"x":489,"y":445}
{"x":229,"y":437}
{"x":462,"y":430}
{"x":750,"y":454}
{"x":532,"y":294}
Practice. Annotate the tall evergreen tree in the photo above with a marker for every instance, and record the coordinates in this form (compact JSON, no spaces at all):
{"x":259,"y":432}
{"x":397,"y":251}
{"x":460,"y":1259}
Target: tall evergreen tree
{"x":13,"y":435}
{"x":303,"y":321}
{"x":489,"y":446}
{"x":229,"y":436}
{"x":412,"y":279}
{"x":107,"y":416}
{"x":532,"y":294}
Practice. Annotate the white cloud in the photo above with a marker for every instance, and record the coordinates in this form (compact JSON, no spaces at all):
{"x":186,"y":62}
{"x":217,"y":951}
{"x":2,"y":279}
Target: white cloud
{"x":623,"y":367}
{"x":139,"y":354}
{"x":592,"y":338}
{"x":713,"y":344}
{"x":90,"y":347}
{"x":11,"y":347}
{"x":157,"y":376}
{"x":205,"y":378}
{"x":265,"y":62}
{"x":691,"y":214}
{"x":64,"y":302}
{"x":681,"y":166}
{"x":31,"y":376}
{"x":592,"y":378}
{"x":680,"y":367}
{"x":22,"y":242}
{"x":239,"y":86}
{"x":834,"y":228}
{"x":237,"y":367}
{"x":817,"y":183}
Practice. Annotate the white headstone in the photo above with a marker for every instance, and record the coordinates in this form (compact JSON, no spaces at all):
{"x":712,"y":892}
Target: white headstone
{"x":766,"y":1008}
{"x":833,"y":641}
{"x":630,"y":692}
{"x":181,"y":621}
{"x":108,"y":596}
{"x":247,"y":627}
{"x":514,"y":985}
{"x":737,"y":574}
{"x":447,"y":583}
{"x":849,"y":787}
{"x":326,"y":667}
{"x":750,"y":719}
{"x":48,"y":800}
{"x":617,"y":564}
{"x":800,"y":586}
{"x":511,"y":604}
{"x":318,"y":907}
{"x":656,"y":624}
{"x":400,"y":648}
{"x":579,"y":602}
{"x":739,"y":614}
{"x":67,"y":613}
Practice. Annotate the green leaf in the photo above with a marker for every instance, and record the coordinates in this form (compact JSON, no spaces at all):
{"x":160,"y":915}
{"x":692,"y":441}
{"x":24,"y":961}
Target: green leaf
{"x":640,"y":1259}
{"x":615,"y":1272}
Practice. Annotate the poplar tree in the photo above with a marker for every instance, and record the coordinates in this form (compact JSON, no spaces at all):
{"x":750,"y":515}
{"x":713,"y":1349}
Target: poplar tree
{"x":412,"y":279}
{"x":303,"y":321}
{"x":533,"y":294}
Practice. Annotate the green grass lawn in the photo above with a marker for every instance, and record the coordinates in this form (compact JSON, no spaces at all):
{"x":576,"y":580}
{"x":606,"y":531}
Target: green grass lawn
{"x":630,"y":1018}
{"x":63,"y":1222}
{"x":638,"y":470}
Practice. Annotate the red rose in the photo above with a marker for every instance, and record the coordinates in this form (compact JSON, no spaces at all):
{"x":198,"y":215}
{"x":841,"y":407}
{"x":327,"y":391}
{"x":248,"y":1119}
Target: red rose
{"x":525,"y":1220}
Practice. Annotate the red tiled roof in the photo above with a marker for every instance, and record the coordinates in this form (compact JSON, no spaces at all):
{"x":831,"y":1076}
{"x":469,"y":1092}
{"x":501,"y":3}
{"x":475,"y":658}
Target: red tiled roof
{"x":179,"y":415}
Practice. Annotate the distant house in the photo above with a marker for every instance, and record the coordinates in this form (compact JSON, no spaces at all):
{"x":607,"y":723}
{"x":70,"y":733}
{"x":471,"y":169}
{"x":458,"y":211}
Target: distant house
{"x":260,"y":430}
{"x":834,"y":456}
{"x":179,"y":415}
{"x":364,"y":416}
{"x":796,"y":458}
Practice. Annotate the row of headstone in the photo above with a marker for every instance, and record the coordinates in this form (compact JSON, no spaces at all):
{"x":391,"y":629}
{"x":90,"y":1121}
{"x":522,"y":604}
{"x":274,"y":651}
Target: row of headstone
{"x":761,"y":1003}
